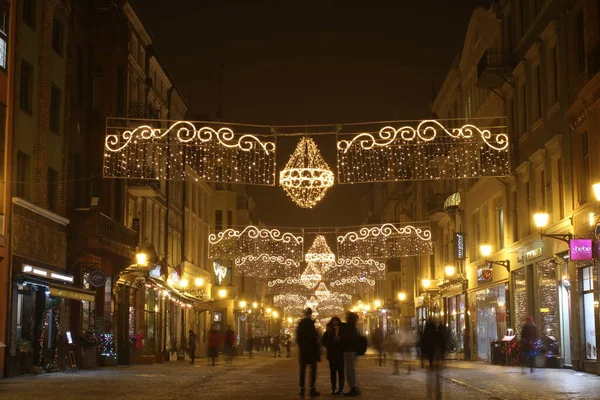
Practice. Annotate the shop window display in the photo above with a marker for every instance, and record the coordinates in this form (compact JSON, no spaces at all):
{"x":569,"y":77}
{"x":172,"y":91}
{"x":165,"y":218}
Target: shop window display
{"x":588,"y":284}
{"x":549,"y":323}
{"x":520,"y":298}
{"x":490,"y":312}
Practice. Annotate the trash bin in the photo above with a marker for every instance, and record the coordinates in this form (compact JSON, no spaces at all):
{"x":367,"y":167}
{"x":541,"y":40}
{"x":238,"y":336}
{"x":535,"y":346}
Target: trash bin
{"x":498,"y":352}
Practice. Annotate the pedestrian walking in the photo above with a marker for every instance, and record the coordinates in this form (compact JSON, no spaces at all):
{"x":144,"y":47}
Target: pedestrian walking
{"x":309,"y":352}
{"x":213,"y":344}
{"x":529,"y":335}
{"x":192,"y":339}
{"x":249,"y":344}
{"x":377,"y":342}
{"x":229,"y":340}
{"x":288,"y":345}
{"x":335,"y":355}
{"x":350,"y":337}
{"x":435,"y":347}
{"x":276,"y":346}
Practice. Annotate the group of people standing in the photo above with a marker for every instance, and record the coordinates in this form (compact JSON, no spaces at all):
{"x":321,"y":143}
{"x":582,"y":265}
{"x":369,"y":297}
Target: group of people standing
{"x":343,"y":343}
{"x":269,"y":344}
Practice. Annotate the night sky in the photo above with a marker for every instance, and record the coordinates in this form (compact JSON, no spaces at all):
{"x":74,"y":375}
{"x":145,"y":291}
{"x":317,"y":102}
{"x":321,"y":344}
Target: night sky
{"x":309,"y":62}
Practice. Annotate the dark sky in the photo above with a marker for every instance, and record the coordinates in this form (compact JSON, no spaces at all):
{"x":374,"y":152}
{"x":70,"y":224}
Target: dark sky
{"x":308,"y":62}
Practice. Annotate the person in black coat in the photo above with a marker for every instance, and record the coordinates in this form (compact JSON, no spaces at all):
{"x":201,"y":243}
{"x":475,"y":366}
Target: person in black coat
{"x":309,"y":351}
{"x":335,"y":354}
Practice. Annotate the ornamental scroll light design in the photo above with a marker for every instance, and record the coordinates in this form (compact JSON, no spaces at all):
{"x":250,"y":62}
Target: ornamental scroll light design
{"x":385,"y":241}
{"x":266,"y":266}
{"x":235,"y":244}
{"x":425,"y":152}
{"x":187,"y":150}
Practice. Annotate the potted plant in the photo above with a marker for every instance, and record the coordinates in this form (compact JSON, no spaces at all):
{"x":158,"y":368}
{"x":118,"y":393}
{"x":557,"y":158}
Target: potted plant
{"x":25,"y":356}
{"x":89,"y":349}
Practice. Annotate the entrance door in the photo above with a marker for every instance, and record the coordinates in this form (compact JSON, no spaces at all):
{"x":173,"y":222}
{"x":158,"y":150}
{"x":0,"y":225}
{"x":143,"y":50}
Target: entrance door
{"x":565,"y":323}
{"x":486,"y":331}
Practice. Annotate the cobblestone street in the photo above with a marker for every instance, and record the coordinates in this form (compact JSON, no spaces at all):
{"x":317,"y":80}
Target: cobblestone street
{"x":266,"y":378}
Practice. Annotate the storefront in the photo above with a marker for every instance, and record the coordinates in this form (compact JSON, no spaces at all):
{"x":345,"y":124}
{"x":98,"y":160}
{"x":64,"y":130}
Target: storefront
{"x":455,"y":312}
{"x":488,"y":318}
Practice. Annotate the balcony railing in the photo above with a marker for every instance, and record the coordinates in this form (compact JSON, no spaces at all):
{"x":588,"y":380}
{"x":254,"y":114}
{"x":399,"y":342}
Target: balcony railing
{"x":594,"y":61}
{"x":435,"y":203}
{"x":117,"y":233}
{"x":142,"y":110}
{"x":493,"y":68}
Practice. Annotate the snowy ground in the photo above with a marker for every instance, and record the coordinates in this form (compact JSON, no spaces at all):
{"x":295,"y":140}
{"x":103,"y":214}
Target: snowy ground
{"x":264,"y":377}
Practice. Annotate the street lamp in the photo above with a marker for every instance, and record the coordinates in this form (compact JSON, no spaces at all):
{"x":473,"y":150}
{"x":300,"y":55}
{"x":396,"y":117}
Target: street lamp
{"x":401,"y":296}
{"x":141,"y":259}
{"x":596,"y":188}
{"x":199,"y":282}
{"x":183,"y":283}
{"x":222,"y":293}
{"x":541,"y":220}
{"x":275,"y":314}
{"x":242,"y":304}
{"x":426,"y":283}
{"x":269,"y":310}
{"x":290,"y":320}
{"x":254,"y":305}
{"x":377,"y":303}
{"x":450,"y":270}
{"x":486,"y":249}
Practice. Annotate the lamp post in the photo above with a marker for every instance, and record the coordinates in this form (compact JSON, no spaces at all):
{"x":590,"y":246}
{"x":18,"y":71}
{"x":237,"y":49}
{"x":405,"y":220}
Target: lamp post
{"x":486,"y":249}
{"x":541,"y":220}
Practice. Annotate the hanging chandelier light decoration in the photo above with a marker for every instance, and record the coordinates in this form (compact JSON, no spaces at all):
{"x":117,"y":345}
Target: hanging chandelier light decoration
{"x":322,"y":292}
{"x":311,"y":276}
{"x":320,"y":252}
{"x":306,"y":176}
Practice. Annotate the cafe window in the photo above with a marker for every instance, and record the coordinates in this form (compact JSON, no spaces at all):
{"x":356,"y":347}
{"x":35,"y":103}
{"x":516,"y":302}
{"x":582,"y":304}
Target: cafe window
{"x":588,"y":284}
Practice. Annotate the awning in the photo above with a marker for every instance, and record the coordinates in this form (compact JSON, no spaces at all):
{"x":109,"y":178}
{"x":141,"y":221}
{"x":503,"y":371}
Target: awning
{"x":67,"y":292}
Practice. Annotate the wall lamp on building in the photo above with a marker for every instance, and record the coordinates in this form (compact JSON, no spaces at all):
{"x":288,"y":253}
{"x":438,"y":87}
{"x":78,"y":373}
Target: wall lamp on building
{"x":222,"y":293}
{"x":486,"y":249}
{"x":450,"y":270}
{"x":141,"y":259}
{"x":540,"y":219}
{"x":401,"y":296}
{"x":426,"y":283}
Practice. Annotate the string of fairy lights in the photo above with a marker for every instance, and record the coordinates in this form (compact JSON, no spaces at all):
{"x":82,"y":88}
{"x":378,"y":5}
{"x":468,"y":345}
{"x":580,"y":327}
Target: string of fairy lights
{"x":186,"y":150}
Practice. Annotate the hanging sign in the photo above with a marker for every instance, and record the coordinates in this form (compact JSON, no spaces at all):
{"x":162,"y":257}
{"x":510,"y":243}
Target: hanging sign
{"x":485,"y":273}
{"x":580,"y":249}
{"x":459,"y":246}
{"x":97,"y":278}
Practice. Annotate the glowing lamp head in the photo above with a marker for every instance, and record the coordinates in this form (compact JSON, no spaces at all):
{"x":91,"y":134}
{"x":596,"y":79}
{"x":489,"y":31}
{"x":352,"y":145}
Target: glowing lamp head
{"x":254,"y":305}
{"x":183,"y":283}
{"x":290,"y":320}
{"x":275,"y":314}
{"x":541,"y":219}
{"x":243,"y":304}
{"x":199,"y":282}
{"x":141,"y":259}
{"x":401,"y":296}
{"x":485,"y":250}
{"x":596,"y":189}
{"x":222,"y":293}
{"x":367,"y":307}
{"x":426,"y":283}
{"x":450,"y":270}
{"x":377,"y":303}
{"x":269,"y":310}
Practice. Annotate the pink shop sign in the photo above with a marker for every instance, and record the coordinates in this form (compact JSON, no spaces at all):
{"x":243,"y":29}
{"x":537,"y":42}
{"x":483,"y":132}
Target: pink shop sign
{"x":580,"y":249}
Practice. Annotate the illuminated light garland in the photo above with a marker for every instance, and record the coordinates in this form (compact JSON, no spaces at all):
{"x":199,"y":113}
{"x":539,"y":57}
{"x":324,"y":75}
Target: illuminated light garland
{"x":215,"y":155}
{"x":232,"y":243}
{"x":289,"y":299}
{"x":312,"y":303}
{"x":355,"y":266}
{"x":306,"y":176}
{"x":408,"y":153}
{"x":266,"y":265}
{"x":320,"y":251}
{"x":311,"y":276}
{"x":384,"y":241}
{"x":322,"y":292}
{"x":353,"y":284}
{"x":288,"y":285}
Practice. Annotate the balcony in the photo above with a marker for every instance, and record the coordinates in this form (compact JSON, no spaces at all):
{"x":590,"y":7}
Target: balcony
{"x":493,"y":69}
{"x":435,"y":204}
{"x":113,"y":233}
{"x":594,"y":61}
{"x":142,"y":110}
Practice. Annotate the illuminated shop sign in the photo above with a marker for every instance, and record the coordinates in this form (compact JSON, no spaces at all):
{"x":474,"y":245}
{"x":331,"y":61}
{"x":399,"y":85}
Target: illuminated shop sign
{"x":580,"y":249}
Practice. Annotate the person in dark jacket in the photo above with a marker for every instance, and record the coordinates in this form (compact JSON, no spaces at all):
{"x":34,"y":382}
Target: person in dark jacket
{"x":529,"y":335}
{"x":307,"y":338}
{"x":350,"y":337}
{"x":192,"y":339}
{"x":428,"y":342}
{"x":335,"y":355}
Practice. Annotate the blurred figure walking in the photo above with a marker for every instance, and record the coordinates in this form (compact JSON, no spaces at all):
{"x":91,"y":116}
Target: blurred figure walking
{"x":288,"y":345}
{"x":249,"y":344}
{"x":213,"y":344}
{"x":230,"y":342}
{"x":435,"y":345}
{"x":377,"y":342}
{"x":335,"y":354}
{"x":275,"y":340}
{"x":529,"y":335}
{"x":350,"y":342}
{"x":309,"y":352}
{"x":192,"y":339}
